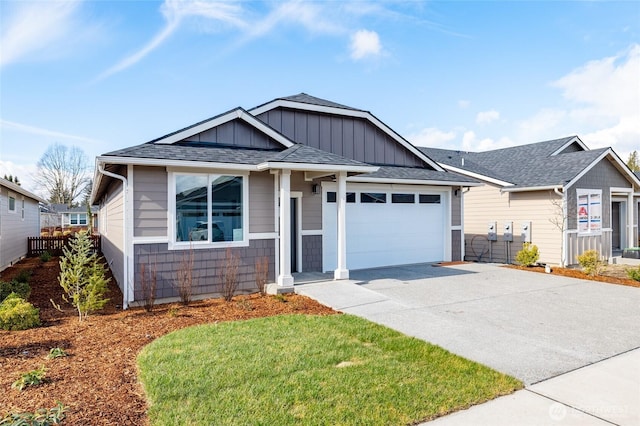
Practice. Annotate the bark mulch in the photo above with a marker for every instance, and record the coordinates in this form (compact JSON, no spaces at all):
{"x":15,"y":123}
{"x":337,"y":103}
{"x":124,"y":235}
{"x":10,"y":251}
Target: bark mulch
{"x":98,"y":380}
{"x":613,"y":274}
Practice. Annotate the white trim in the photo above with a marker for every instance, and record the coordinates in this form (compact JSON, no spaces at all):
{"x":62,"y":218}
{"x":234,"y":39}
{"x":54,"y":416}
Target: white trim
{"x":310,"y":232}
{"x":129,"y":234}
{"x":624,"y":190}
{"x":316,"y":167}
{"x":263,"y":235}
{"x":475,"y":176}
{"x":364,"y":179}
{"x":17,"y":188}
{"x":456,"y":227}
{"x":276,"y":222}
{"x":237,"y":113}
{"x":207,"y":165}
{"x":298,"y":197}
{"x":573,"y":139}
{"x":150,"y":240}
{"x":285,"y":279}
{"x":532,"y":188}
{"x":349,"y":113}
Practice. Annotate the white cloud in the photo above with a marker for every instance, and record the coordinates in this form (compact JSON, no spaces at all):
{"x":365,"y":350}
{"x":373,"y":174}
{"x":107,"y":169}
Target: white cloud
{"x":431,"y":137}
{"x":470,"y":142}
{"x":464,"y":104}
{"x":365,"y":43}
{"x":43,"y":132}
{"x":31,"y":28}
{"x":24,"y":173}
{"x":486,"y":117}
{"x":175,"y":12}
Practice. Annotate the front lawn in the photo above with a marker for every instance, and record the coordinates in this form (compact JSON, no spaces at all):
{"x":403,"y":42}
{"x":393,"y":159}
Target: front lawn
{"x":295,"y":369}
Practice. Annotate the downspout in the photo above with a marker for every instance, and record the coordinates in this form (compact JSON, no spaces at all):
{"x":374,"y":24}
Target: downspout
{"x":125,"y":263}
{"x":565,"y":220}
{"x":462,"y":240}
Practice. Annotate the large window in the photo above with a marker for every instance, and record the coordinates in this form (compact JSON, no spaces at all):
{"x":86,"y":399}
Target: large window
{"x":209,"y":208}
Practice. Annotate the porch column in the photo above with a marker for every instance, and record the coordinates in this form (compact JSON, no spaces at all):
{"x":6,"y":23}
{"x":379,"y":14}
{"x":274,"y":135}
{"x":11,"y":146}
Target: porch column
{"x":630,"y":237}
{"x":285,"y":279}
{"x":342,"y":273}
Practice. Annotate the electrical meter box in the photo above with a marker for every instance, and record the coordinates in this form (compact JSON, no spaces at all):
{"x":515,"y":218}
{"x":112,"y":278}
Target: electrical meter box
{"x":492,"y":231}
{"x":508,"y":231}
{"x":525,"y":233}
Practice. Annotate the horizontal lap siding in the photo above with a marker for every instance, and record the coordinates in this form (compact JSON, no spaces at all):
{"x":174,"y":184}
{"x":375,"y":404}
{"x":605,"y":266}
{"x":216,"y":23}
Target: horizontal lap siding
{"x":486,"y":204}
{"x":311,"y":203}
{"x":111,"y":213}
{"x":15,"y":229}
{"x":150,"y":202}
{"x":351,"y":137}
{"x":261,"y":203}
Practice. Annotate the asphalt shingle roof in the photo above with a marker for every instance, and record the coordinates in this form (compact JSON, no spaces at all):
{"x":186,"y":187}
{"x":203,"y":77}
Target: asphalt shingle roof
{"x":308,"y":99}
{"x":528,"y":165}
{"x":392,"y":172}
{"x":307,"y":154}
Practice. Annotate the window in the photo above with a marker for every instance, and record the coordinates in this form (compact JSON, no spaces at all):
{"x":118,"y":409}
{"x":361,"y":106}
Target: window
{"x":589,"y":211}
{"x":22,"y":208}
{"x":373,"y":197}
{"x":12,"y":203}
{"x":429,"y":199}
{"x":331,"y":197}
{"x":403,"y":198}
{"x":209,"y":208}
{"x":77,"y":219}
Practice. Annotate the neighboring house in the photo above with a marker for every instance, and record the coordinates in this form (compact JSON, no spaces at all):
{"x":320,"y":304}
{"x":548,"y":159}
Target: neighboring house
{"x":312,"y":185}
{"x":569,"y":198}
{"x":19,"y":219}
{"x":74,"y":217}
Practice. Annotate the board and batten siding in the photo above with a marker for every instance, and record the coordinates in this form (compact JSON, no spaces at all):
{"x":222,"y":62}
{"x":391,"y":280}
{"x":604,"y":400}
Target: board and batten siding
{"x":456,"y":207}
{"x":14,"y":228}
{"x":150,"y":202}
{"x":486,"y":204}
{"x":350,"y":137}
{"x":261,"y":202}
{"x":236,"y":133}
{"x":111,"y":219}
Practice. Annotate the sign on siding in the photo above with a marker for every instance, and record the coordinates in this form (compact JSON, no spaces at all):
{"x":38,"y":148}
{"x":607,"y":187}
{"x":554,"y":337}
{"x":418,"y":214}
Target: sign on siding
{"x":589,"y":211}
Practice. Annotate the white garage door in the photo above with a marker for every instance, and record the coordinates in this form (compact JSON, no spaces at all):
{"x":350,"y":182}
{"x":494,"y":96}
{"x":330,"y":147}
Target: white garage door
{"x":385,"y":226}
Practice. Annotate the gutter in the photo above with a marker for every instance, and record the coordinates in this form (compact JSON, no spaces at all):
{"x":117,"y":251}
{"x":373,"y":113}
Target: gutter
{"x":533,"y":188}
{"x":125,"y":263}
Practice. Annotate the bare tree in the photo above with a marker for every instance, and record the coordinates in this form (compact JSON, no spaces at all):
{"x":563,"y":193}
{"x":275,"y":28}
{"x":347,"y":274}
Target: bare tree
{"x":63,"y":173}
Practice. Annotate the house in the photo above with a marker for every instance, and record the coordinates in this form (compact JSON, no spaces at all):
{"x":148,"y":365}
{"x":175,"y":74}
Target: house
{"x":67,"y":218}
{"x":19,"y":219}
{"x":309,"y":184}
{"x":562,"y":196}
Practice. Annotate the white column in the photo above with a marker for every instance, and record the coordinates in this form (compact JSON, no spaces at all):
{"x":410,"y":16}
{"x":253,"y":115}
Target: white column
{"x":342,"y":273}
{"x":630,"y":236}
{"x":285,"y":279}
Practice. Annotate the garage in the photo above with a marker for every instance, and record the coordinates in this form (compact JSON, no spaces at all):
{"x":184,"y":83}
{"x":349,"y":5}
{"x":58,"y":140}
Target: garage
{"x":386,"y":225}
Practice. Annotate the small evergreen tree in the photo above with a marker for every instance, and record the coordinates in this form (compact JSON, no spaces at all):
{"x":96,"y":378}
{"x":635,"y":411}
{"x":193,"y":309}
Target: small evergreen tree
{"x":83,"y":277}
{"x":634,"y":162}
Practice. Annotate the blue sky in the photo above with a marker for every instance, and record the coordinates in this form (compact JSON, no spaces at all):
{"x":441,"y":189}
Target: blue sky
{"x":474,"y":75}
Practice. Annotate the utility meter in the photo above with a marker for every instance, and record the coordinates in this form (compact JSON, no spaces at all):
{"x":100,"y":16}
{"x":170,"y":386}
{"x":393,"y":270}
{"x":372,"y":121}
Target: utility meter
{"x":525,"y":234}
{"x":508,"y":231}
{"x":492,"y":231}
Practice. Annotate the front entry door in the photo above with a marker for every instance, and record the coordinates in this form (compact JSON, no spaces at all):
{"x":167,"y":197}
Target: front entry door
{"x":615,"y":226}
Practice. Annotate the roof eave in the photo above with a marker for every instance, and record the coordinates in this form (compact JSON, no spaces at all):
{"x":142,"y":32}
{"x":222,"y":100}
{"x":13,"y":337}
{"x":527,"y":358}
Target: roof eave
{"x":312,"y":167}
{"x":531,"y":188}
{"x":20,"y":190}
{"x":476,"y":175}
{"x":364,"y":179}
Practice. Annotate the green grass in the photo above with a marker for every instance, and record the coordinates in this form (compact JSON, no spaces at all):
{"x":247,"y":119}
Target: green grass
{"x":295,"y":369}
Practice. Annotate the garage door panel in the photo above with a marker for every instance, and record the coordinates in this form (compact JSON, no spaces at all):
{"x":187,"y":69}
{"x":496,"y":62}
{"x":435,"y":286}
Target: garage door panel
{"x":382,"y":234}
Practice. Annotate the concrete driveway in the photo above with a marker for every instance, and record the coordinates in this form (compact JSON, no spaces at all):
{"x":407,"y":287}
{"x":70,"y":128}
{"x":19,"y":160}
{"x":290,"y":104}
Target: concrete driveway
{"x":529,"y":325}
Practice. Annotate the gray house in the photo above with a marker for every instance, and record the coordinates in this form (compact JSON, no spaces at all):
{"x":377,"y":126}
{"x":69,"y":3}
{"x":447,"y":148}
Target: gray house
{"x":560,"y":195}
{"x":309,"y":184}
{"x":19,"y":219}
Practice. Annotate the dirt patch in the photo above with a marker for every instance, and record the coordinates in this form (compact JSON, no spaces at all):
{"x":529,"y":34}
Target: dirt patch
{"x":98,"y":380}
{"x":613,"y":274}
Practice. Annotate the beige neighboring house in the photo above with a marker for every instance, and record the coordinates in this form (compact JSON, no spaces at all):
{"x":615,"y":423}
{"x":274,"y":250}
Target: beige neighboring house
{"x":19,"y":219}
{"x":560,"y":195}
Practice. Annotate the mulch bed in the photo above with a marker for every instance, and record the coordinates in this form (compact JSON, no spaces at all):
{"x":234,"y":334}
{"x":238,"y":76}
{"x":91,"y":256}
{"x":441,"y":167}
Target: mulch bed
{"x":613,"y":274}
{"x":98,"y":380}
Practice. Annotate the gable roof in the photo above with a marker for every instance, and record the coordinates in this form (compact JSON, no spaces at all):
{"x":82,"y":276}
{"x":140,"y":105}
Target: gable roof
{"x":20,"y":190}
{"x":63,"y":208}
{"x":307,"y":102}
{"x":536,"y":165}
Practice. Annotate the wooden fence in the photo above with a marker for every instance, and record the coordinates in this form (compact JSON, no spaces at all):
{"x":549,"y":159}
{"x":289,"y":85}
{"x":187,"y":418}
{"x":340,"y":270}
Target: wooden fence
{"x":54,"y":245}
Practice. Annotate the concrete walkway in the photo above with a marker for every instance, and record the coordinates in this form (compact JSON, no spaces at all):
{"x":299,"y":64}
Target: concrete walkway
{"x":532,"y":326}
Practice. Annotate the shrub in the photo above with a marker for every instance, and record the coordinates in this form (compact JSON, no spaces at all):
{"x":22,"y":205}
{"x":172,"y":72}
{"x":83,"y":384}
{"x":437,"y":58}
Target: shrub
{"x":18,"y":314}
{"x":262,"y":274}
{"x":634,"y":274}
{"x":41,"y":417}
{"x":83,"y":277}
{"x":22,"y":289}
{"x":45,"y":257}
{"x":23,"y":276}
{"x":591,"y":263}
{"x":184,"y":277}
{"x":529,"y":255}
{"x":229,"y":275}
{"x":57,"y":353}
{"x":30,"y":378}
